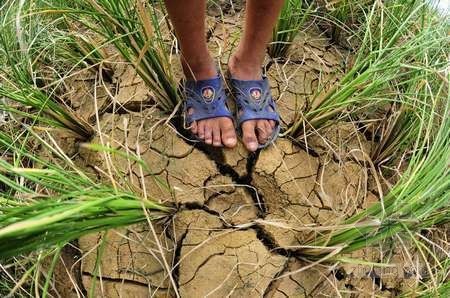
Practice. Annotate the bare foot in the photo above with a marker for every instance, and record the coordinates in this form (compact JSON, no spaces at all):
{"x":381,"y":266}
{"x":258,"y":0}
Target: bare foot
{"x":255,"y":132}
{"x":217,"y":131}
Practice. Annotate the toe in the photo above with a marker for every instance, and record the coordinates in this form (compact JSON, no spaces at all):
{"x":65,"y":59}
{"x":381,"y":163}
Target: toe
{"x":269,"y":128}
{"x":272,"y":123}
{"x":194,"y":128}
{"x":208,"y":132}
{"x":261,"y":131}
{"x":227,"y":132}
{"x":201,"y":130}
{"x":249,"y":136}
{"x":216,"y":134}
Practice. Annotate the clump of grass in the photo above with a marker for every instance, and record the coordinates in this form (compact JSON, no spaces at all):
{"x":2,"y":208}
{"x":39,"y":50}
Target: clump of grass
{"x":78,"y":48}
{"x":293,"y":16}
{"x":420,"y":199}
{"x":443,"y":290}
{"x":399,"y":131}
{"x":134,"y":29}
{"x":434,"y":278}
{"x":402,"y":61}
{"x":46,"y":201}
{"x":393,"y":41}
{"x":48,"y":204}
{"x":21,"y":44}
{"x":32,"y":103}
{"x":345,"y":16}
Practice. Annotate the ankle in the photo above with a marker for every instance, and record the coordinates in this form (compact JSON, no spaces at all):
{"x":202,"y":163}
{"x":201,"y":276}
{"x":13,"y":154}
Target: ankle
{"x":244,"y":69}
{"x":199,"y":69}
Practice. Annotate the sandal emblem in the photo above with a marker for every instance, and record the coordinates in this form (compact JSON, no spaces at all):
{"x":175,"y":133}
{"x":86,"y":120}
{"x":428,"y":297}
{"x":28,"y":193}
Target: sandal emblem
{"x":208,"y":94}
{"x":255,"y":94}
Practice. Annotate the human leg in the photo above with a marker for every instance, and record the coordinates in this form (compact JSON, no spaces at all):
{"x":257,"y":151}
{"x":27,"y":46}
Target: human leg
{"x":245,"y":64}
{"x":188,"y":19}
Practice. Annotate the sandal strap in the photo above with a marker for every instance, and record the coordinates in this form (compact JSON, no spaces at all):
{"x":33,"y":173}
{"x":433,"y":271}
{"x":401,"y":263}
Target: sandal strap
{"x":207,"y":98}
{"x":254,"y":100}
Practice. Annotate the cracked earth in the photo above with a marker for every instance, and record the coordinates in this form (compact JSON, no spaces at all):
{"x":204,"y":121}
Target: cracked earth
{"x":242,"y":218}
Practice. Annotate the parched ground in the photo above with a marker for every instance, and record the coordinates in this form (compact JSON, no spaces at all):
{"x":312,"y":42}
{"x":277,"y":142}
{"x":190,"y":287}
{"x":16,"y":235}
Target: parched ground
{"x":243,"y":219}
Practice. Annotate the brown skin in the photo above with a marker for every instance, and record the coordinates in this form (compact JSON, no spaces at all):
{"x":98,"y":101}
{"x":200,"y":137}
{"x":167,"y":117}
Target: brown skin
{"x":245,"y":64}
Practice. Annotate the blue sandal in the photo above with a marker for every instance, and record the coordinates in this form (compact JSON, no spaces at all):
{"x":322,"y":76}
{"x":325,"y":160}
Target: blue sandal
{"x":207,"y":98}
{"x":254,"y":101}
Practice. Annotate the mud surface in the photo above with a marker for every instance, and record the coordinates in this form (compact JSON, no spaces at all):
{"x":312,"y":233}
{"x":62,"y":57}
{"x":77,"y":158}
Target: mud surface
{"x":242,"y":218}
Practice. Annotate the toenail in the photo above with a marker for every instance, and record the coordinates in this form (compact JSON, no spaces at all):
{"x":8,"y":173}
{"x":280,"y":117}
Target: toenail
{"x":252,"y":146}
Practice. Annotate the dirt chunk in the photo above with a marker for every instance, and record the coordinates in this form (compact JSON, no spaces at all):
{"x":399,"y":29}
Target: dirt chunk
{"x":284,"y":175}
{"x":196,"y":222}
{"x":287,"y":82}
{"x":323,"y":281}
{"x":225,"y":37}
{"x":290,"y":227}
{"x":226,"y":263}
{"x":342,"y":188}
{"x":154,"y":187}
{"x":132,"y":92}
{"x":125,"y":75}
{"x":343,"y":140}
{"x":313,"y":64}
{"x":221,"y":261}
{"x":187,"y":177}
{"x":113,"y":289}
{"x":218,"y":185}
{"x":296,"y":281}
{"x":153,"y":157}
{"x":83,"y":94}
{"x":221,"y":7}
{"x":129,"y":254}
{"x":236,"y":158}
{"x":166,"y":140}
{"x":67,"y":272}
{"x":300,"y":194}
{"x":235,"y":208}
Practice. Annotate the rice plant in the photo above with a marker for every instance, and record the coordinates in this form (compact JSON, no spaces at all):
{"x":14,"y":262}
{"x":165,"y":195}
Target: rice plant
{"x":442,"y":291}
{"x":46,"y":201}
{"x":77,"y":48}
{"x":393,"y":40}
{"x":420,"y":199}
{"x":345,"y":16}
{"x":434,"y":282}
{"x":134,"y":29}
{"x":399,"y":131}
{"x":21,"y":40}
{"x":292,"y":18}
{"x":49,"y":203}
{"x":404,"y":62}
